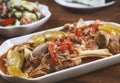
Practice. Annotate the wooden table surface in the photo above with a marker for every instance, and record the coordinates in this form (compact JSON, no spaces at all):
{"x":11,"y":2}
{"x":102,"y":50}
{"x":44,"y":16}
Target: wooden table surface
{"x":62,"y":15}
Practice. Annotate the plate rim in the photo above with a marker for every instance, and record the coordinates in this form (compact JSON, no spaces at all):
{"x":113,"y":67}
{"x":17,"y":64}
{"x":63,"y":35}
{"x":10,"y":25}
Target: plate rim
{"x":74,"y":6}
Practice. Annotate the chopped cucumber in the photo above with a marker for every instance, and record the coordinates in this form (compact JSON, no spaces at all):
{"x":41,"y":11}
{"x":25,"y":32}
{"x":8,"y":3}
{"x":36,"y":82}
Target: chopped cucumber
{"x":10,"y":14}
{"x":39,"y":15}
{"x":27,"y":5}
{"x":32,"y":16}
{"x":18,"y":14}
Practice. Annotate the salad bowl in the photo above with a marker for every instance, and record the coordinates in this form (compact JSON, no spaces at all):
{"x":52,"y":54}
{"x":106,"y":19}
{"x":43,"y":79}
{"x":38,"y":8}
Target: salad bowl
{"x":17,"y":30}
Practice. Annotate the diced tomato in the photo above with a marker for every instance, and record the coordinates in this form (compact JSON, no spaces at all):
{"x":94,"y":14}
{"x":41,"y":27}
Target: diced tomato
{"x":7,"y":21}
{"x":35,"y":9}
{"x":26,"y":20}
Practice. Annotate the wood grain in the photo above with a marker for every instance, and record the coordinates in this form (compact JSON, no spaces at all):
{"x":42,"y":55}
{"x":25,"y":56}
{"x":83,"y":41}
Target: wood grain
{"x":62,"y":15}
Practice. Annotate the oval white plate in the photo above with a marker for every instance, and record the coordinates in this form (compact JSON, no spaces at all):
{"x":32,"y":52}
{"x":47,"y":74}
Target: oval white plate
{"x":80,"y":6}
{"x":62,"y":74}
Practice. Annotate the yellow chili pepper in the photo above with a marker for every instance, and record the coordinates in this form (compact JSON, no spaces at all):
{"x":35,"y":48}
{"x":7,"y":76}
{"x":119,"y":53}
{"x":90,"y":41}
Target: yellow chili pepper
{"x":14,"y":63}
{"x":37,"y":39}
{"x":110,"y":28}
{"x":53,"y":35}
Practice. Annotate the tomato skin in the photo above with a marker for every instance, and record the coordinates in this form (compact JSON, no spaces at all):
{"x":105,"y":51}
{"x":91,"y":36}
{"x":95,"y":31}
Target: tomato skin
{"x":51,"y":48}
{"x":8,"y":21}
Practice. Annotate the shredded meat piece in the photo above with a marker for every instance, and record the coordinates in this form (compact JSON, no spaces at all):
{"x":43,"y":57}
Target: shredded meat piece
{"x":101,"y":39}
{"x":91,"y":45}
{"x":114,"y":45}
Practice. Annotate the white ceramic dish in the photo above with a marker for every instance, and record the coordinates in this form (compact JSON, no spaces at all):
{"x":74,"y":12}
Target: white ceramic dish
{"x":11,"y":31}
{"x":80,"y":6}
{"x":59,"y":75}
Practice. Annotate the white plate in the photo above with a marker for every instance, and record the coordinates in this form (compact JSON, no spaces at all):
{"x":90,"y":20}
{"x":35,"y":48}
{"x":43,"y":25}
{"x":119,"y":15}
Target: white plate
{"x":18,"y":30}
{"x":62,"y":74}
{"x":80,"y":6}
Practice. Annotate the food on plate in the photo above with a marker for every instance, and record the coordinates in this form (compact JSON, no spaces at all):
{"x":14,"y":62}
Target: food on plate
{"x":55,"y":50}
{"x":88,"y":2}
{"x":19,"y":12}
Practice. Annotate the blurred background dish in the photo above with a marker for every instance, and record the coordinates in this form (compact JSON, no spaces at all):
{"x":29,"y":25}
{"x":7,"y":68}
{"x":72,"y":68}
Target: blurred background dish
{"x":82,"y":4}
{"x":21,"y":27}
{"x":19,"y":12}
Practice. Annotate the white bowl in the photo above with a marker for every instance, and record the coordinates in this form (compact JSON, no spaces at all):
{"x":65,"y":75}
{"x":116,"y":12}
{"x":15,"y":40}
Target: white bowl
{"x":17,"y":30}
{"x":62,"y":74}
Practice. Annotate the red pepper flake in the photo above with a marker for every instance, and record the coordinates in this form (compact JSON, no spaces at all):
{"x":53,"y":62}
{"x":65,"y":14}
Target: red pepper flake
{"x":76,"y":31}
{"x":65,"y":44}
{"x":94,"y":27}
{"x":7,"y":21}
{"x":80,"y":32}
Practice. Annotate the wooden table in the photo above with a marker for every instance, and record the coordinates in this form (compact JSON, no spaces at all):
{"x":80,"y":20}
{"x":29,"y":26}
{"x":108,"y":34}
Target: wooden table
{"x":61,"y":15}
